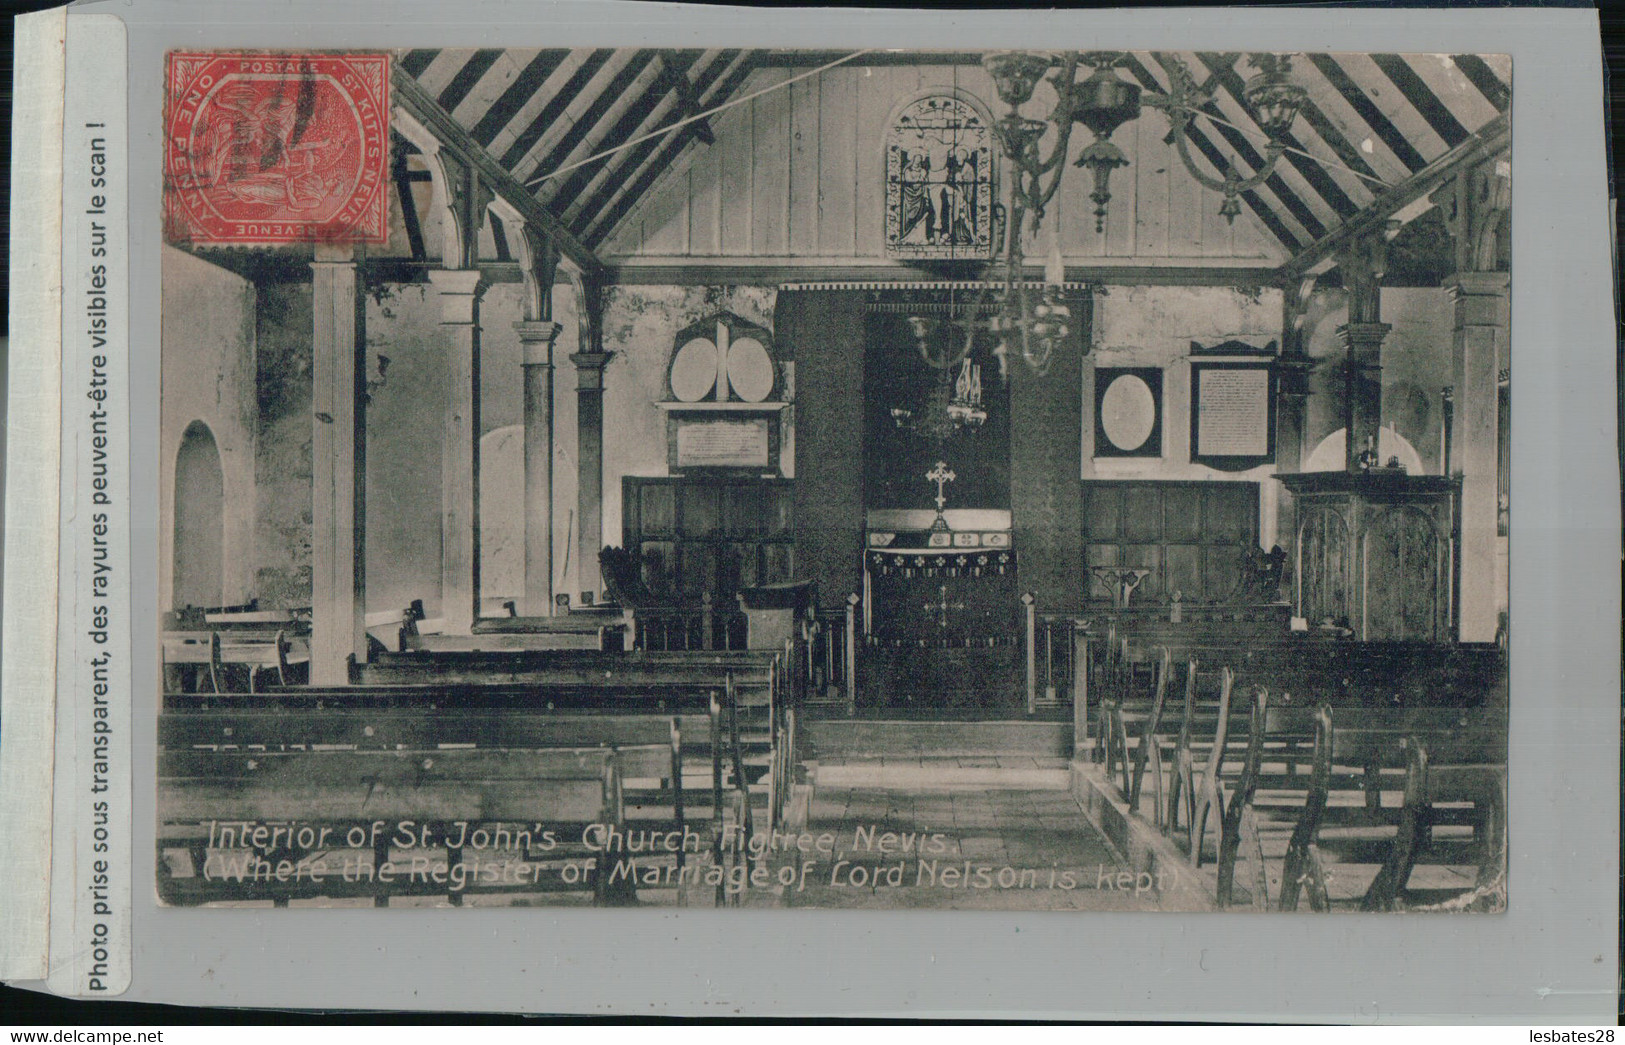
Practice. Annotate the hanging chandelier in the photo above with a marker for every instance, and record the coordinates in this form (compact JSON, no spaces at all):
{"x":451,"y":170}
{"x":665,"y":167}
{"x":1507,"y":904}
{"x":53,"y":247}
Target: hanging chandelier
{"x":955,"y":401}
{"x":1103,"y":102}
{"x":1034,"y":321}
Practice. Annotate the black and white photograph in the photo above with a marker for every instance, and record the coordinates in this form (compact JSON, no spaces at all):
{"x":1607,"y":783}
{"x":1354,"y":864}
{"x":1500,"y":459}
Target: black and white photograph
{"x":1013,"y":480}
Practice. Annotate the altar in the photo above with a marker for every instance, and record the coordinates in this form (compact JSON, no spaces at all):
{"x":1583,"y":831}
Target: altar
{"x":941,"y":602}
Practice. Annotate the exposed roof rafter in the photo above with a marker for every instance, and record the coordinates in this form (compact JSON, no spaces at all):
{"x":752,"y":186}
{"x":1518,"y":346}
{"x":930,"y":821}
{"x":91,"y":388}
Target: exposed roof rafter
{"x":585,"y":134}
{"x":1373,"y":220}
{"x":415,"y":100}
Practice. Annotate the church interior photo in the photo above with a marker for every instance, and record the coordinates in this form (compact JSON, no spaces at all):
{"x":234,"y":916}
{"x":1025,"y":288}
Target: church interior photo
{"x":775,"y":478}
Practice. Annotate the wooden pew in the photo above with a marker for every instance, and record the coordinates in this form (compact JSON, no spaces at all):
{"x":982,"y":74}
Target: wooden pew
{"x":755,"y":690}
{"x":426,"y":798}
{"x":390,"y":729}
{"x":1390,"y":792}
{"x":1255,"y":777}
{"x":647,"y":792}
{"x":266,"y":655}
{"x":753,"y":693}
{"x":1314,"y":798}
{"x":753,"y":671}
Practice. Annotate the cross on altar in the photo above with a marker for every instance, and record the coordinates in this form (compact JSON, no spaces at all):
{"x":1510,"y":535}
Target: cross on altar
{"x":940,"y":475}
{"x":942,"y":606}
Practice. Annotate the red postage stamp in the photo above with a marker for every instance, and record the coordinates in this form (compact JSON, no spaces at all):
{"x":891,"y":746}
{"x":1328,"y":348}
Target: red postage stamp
{"x":263,"y":148}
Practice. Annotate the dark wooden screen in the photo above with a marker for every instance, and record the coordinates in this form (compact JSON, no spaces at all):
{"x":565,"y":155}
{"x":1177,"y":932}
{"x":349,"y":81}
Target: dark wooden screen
{"x":711,"y":533}
{"x":1190,"y":535}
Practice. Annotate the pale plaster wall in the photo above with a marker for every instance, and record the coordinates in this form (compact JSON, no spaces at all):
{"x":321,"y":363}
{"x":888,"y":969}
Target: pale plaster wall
{"x":405,"y":436}
{"x":207,"y":375}
{"x":640,"y":328}
{"x":1416,"y":366}
{"x":1144,"y":326}
{"x":282,"y":465}
{"x":567,"y":314}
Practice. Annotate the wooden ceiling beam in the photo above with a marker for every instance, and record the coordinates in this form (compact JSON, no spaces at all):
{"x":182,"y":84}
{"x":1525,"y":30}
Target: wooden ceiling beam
{"x":411,"y":97}
{"x":1490,"y":139}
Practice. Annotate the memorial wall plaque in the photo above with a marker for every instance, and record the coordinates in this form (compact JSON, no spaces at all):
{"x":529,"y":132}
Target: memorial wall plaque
{"x":723,"y":444}
{"x":1232,"y":415}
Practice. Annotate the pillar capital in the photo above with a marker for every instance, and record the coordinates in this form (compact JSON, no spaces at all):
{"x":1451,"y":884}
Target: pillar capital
{"x":1479,"y":297}
{"x":1363,"y":335}
{"x":536,"y":339}
{"x":1363,"y":342}
{"x":459,"y":291}
{"x":590,"y":369}
{"x":1478,"y":283}
{"x":1292,"y":375}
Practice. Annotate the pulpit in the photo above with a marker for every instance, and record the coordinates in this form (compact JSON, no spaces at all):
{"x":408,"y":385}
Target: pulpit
{"x":1375,"y":552}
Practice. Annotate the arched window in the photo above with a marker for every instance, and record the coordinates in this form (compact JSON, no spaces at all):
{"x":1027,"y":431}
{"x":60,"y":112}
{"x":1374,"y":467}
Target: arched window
{"x":200,"y":521}
{"x":939,"y":187}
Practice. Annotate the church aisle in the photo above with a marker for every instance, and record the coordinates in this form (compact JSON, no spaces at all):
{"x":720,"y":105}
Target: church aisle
{"x":1007,"y":842}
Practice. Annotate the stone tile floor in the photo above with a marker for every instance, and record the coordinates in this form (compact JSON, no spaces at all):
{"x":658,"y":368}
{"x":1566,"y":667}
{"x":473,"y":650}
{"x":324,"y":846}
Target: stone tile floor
{"x":1002,"y":847}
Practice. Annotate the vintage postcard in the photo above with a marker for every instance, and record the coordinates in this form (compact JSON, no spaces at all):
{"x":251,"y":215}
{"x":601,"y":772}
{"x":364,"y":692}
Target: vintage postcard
{"x":664,"y":474}
{"x":774,"y":478}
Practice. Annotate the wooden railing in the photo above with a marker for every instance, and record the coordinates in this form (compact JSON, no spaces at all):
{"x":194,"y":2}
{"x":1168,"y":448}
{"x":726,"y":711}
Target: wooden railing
{"x":1049,"y":645}
{"x":831,"y":656}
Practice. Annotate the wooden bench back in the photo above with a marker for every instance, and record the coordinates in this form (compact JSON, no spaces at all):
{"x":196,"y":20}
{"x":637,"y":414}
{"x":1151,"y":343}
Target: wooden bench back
{"x":357,"y":787}
{"x":390,"y":729}
{"x":355,"y":802}
{"x":1380,"y":777}
{"x":753,"y":674}
{"x":263,"y":651}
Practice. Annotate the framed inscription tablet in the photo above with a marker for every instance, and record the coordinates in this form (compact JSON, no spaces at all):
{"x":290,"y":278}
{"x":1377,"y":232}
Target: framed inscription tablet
{"x":723,"y":443}
{"x":1232,"y":415}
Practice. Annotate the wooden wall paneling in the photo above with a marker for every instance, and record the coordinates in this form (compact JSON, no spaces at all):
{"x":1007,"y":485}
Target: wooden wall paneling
{"x":1045,"y":497}
{"x":665,"y":219}
{"x":838,"y":184}
{"x":1183,"y":571}
{"x":805,"y":152}
{"x":736,"y":146}
{"x":1182,"y":514}
{"x":770,"y":173}
{"x":1119,"y":240}
{"x":1151,"y":176}
{"x":1185,"y":203}
{"x":1072,"y":206}
{"x":827,"y":330}
{"x":705,"y":200}
{"x":1217,"y":233}
{"x":1250,"y":239}
{"x":799,"y":172}
{"x":875,"y":95}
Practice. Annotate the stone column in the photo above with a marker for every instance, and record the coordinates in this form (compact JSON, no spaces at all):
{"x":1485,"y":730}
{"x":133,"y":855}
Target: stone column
{"x":590,"y":461}
{"x":1479,"y":348}
{"x":459,"y":292}
{"x":1362,"y":343}
{"x":536,"y":343}
{"x":338,"y":468}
